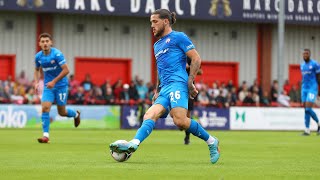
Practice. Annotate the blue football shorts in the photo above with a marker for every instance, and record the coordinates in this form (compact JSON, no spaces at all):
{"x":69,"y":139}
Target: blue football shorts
{"x":173,"y":95}
{"x":56,"y":94}
{"x":308,"y":96}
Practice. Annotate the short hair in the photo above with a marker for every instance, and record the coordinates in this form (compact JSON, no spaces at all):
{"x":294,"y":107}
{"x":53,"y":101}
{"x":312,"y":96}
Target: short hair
{"x":166,"y":14}
{"x":45,"y":35}
{"x":306,"y":49}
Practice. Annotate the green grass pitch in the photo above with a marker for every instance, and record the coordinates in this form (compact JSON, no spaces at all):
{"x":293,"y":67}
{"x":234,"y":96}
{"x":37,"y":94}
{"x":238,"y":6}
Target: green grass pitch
{"x":83,"y":154}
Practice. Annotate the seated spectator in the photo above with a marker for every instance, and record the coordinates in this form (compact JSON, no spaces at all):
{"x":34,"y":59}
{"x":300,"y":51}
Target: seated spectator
{"x":248,"y":100}
{"x":243,"y":93}
{"x":31,"y":97}
{"x":264,"y":100}
{"x":87,"y":83}
{"x":117,"y":89}
{"x":294,"y":94}
{"x":73,"y":85}
{"x":203,"y":99}
{"x":79,"y":96}
{"x":220,"y":100}
{"x":109,"y":96}
{"x":125,"y":97}
{"x":284,"y":99}
{"x":22,"y":79}
{"x":230,"y":101}
{"x":230,"y":85}
{"x":274,"y":91}
{"x":5,"y":95}
{"x":16,"y":97}
{"x":142,"y":90}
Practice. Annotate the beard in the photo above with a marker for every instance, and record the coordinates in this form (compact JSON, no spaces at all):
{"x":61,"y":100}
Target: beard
{"x":160,"y":32}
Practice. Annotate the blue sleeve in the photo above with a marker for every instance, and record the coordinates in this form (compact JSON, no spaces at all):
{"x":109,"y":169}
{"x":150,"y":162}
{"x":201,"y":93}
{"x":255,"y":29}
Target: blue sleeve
{"x":317,"y":68}
{"x":185,"y":43}
{"x":36,"y":60}
{"x":60,"y":58}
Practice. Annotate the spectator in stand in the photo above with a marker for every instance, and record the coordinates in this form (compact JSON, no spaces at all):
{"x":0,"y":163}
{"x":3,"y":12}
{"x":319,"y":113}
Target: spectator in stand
{"x":31,"y":97}
{"x":286,"y":86}
{"x":223,"y":89}
{"x":243,"y":93}
{"x":73,"y":85}
{"x":151,"y":89}
{"x":284,"y":99}
{"x":133,"y":92}
{"x":98,"y":96}
{"x":16,"y":97}
{"x":274,"y":91}
{"x":10,"y":83}
{"x":79,"y":96}
{"x":256,"y":98}
{"x":230,"y":101}
{"x":117,"y":89}
{"x":256,"y":88}
{"x":125,"y":97}
{"x":203,"y":98}
{"x":23,"y":80}
{"x":109,"y":97}
{"x":295,"y":94}
{"x":230,"y":85}
{"x":6,"y":95}
{"x":243,"y":85}
{"x":234,"y":97}
{"x":220,"y":100}
{"x":104,"y":87}
{"x":142,"y":90}
{"x":87,"y":83}
{"x":264,"y":100}
{"x":212,"y":92}
{"x":248,"y":100}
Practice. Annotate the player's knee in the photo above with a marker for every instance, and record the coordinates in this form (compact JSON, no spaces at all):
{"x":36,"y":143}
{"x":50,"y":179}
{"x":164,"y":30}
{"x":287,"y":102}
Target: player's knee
{"x":181,"y":123}
{"x":62,"y":112}
{"x":149,"y":115}
{"x":45,"y":108}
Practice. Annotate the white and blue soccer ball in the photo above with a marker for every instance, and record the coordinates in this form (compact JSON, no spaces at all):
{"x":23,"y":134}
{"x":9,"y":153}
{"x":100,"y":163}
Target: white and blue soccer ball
{"x":120,"y":156}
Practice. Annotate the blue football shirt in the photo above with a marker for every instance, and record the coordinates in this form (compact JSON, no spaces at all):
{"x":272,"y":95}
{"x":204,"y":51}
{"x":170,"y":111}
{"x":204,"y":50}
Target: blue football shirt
{"x":170,"y":52}
{"x":51,"y":66}
{"x":309,"y":79}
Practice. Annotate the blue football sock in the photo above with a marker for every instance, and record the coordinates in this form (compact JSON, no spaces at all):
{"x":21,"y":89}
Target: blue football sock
{"x":71,"y":113}
{"x":45,"y":122}
{"x":145,"y":130}
{"x":197,"y":130}
{"x":307,"y":119}
{"x":312,"y":114}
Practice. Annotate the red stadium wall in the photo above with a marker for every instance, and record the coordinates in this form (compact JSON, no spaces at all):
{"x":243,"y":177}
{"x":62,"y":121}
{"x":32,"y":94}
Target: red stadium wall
{"x":102,"y":69}
{"x":219,"y":71}
{"x":294,"y":74}
{"x":7,"y":66}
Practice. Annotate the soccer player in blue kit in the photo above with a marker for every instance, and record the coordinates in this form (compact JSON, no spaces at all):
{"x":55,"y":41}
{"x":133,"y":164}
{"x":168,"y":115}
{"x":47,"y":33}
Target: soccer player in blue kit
{"x":174,"y":85}
{"x":310,"y":71}
{"x":55,"y":71}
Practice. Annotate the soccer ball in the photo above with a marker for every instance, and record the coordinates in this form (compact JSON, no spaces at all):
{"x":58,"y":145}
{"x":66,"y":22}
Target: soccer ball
{"x":120,"y":156}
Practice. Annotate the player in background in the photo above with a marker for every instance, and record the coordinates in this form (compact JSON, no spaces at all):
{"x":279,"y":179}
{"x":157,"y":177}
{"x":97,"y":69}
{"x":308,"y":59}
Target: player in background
{"x":55,"y":70}
{"x":190,"y":102}
{"x":310,"y":71}
{"x":174,"y":85}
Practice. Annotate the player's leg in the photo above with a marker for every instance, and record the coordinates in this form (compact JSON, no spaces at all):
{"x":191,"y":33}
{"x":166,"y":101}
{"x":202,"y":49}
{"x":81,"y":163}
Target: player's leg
{"x":46,"y":102}
{"x":187,"y":137}
{"x":311,"y":97}
{"x":179,"y":102}
{"x":181,"y":120}
{"x":61,"y":96}
{"x":149,"y":119}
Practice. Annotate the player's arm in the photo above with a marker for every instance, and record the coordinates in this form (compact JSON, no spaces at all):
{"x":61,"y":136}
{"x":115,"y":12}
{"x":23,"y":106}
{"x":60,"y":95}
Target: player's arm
{"x":36,"y":77}
{"x":156,"y":94}
{"x":200,"y":72}
{"x":63,"y":73}
{"x":194,"y":68}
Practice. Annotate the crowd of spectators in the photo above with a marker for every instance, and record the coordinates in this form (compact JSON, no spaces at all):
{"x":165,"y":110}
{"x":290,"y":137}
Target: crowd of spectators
{"x":217,"y":94}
